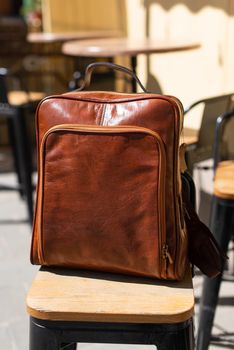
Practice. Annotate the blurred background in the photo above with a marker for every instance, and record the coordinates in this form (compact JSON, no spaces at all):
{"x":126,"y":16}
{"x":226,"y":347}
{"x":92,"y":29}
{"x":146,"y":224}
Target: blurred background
{"x":183,"y":48}
{"x":190,"y":75}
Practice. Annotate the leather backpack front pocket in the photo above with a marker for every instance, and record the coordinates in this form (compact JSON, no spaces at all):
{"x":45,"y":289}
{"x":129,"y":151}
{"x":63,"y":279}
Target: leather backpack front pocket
{"x":93,"y":179}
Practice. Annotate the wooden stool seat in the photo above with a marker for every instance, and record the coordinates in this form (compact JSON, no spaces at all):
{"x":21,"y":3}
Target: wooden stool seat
{"x":69,"y":306}
{"x":58,"y":294}
{"x":224,"y":180}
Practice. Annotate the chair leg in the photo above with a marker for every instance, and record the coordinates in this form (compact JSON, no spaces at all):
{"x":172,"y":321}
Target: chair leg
{"x":179,"y":340}
{"x":42,"y":338}
{"x":208,"y":305}
{"x":11,"y":136}
{"x":221,"y":226}
{"x":23,"y":160}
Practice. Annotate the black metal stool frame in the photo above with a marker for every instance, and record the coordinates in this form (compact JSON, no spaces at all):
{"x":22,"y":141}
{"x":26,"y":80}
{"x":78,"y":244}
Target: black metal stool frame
{"x":20,"y":145}
{"x":222,"y":227}
{"x":221,"y":224}
{"x":58,"y":335}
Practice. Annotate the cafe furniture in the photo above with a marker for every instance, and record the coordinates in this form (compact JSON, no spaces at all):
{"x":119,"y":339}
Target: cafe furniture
{"x":67,"y":307}
{"x":222,"y":226}
{"x":201,"y":149}
{"x":60,"y":37}
{"x":113,"y":47}
{"x":17,"y":102}
{"x":14,"y":106}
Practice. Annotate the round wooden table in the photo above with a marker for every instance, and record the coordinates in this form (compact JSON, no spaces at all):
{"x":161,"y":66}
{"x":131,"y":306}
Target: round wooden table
{"x":44,"y":38}
{"x":112,"y":47}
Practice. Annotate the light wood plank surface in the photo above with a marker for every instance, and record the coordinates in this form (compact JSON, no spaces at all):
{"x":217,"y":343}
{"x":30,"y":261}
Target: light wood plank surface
{"x":124,"y":46}
{"x":224,"y":180}
{"x":58,"y":294}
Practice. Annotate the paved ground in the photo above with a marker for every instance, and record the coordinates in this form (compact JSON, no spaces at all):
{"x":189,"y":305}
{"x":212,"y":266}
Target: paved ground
{"x":16,"y":274}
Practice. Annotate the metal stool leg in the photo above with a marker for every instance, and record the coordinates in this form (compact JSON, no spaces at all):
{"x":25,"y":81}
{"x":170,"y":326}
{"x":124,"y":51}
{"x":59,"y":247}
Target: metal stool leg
{"x":23,"y":160}
{"x":11,"y":136}
{"x":221,"y":225}
{"x":180,"y":340}
{"x":42,"y":338}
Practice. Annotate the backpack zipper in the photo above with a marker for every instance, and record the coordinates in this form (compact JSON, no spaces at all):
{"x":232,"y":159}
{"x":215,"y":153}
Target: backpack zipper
{"x":166,"y":256}
{"x":177,"y":180}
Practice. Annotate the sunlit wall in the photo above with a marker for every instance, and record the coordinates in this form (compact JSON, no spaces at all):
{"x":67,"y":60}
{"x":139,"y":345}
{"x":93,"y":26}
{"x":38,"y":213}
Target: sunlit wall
{"x":190,"y":75}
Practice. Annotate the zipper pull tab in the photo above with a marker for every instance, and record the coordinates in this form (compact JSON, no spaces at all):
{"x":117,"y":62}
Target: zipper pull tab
{"x":169,"y":257}
{"x":166,"y":255}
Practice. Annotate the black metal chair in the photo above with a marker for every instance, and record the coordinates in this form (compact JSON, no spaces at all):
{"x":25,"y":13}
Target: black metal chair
{"x":221,"y":224}
{"x":13,"y":106}
{"x":17,"y":101}
{"x":202,"y":149}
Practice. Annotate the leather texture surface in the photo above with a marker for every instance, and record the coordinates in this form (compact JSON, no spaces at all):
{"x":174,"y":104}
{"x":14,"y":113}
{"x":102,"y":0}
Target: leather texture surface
{"x":101,"y":200}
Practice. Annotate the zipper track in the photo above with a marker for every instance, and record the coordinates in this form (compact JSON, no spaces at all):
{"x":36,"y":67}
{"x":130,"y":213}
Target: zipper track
{"x":110,"y":130}
{"x":179,"y":125}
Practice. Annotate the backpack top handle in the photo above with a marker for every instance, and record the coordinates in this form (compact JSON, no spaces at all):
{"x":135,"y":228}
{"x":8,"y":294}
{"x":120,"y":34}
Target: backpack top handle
{"x":92,"y":66}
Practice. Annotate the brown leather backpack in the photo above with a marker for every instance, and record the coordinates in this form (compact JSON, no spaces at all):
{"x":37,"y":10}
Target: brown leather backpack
{"x":109,"y":186}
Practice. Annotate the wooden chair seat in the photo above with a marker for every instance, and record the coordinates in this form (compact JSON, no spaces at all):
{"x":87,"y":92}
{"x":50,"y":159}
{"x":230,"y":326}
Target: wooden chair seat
{"x":18,"y":98}
{"x":67,"y":307}
{"x":224,"y":180}
{"x":69,"y":295}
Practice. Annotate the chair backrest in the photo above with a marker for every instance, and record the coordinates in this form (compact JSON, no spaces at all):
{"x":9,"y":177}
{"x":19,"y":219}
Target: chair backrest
{"x":212,"y":107}
{"x":223,"y":139}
